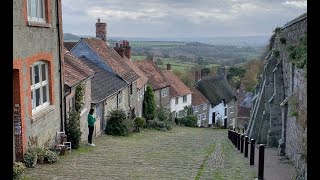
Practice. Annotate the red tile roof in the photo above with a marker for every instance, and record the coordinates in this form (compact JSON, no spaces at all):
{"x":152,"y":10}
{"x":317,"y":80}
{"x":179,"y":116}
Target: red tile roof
{"x":198,"y":98}
{"x":152,"y":71}
{"x":177,"y":87}
{"x":69,"y":45}
{"x":143,"y":78}
{"x":74,"y":70}
{"x":112,"y":58}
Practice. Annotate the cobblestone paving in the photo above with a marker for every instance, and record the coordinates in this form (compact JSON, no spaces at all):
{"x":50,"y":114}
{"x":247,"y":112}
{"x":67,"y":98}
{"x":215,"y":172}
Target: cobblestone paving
{"x":182,"y":153}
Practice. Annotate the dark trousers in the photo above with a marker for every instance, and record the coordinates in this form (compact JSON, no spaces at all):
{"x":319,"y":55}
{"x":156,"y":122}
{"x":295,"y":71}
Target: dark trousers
{"x":91,"y":128}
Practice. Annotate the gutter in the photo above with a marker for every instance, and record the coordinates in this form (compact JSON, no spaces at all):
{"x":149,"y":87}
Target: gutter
{"x":60,"y":70}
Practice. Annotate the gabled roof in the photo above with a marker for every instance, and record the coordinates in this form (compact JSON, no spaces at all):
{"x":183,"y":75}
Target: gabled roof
{"x":69,"y":45}
{"x":216,"y":89}
{"x":103,"y":83}
{"x":143,"y":78}
{"x":112,"y":58}
{"x":74,"y":70}
{"x":152,"y":71}
{"x":198,"y":98}
{"x":177,"y":87}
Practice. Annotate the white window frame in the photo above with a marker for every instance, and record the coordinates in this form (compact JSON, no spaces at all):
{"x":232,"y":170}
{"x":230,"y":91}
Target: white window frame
{"x":139,"y":94}
{"x":39,"y":85}
{"x":199,"y":117}
{"x":37,"y":18}
{"x":196,"y":109}
{"x":177,"y":101}
{"x":164,"y":92}
{"x":203,"y":116}
{"x":184,"y":99}
{"x":204,"y":107}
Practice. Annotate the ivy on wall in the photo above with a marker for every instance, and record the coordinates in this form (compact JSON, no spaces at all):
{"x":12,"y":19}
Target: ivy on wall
{"x":298,"y":53}
{"x":79,"y":95}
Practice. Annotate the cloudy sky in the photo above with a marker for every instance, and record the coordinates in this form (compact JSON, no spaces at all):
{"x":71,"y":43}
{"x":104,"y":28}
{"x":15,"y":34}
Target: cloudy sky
{"x":180,"y":18}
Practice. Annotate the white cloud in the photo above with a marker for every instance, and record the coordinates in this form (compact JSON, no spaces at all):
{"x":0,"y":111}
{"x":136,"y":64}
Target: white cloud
{"x":297,"y":4}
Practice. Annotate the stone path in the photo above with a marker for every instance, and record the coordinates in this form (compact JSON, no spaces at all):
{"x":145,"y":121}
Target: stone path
{"x":182,"y":153}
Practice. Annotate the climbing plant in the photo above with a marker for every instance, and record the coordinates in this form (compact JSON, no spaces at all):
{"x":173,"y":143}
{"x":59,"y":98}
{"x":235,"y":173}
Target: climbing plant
{"x":73,"y":130}
{"x":79,"y":95}
{"x":298,"y":53}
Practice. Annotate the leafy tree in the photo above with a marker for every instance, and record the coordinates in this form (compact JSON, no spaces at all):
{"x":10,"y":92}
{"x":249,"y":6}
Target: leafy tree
{"x":253,"y":70}
{"x":115,"y":125}
{"x":149,"y":104}
{"x":74,"y":132}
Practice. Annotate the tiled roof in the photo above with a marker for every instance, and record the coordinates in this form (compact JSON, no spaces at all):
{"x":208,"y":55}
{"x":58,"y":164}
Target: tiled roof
{"x":103,"y":83}
{"x":216,"y":89}
{"x":112,"y":58}
{"x":74,"y":70}
{"x":177,"y":87}
{"x":69,"y":45}
{"x":152,"y":71}
{"x":198,"y":98}
{"x":143,"y":78}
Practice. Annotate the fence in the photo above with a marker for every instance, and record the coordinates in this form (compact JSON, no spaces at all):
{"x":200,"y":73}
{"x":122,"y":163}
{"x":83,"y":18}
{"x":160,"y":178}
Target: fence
{"x":241,"y":142}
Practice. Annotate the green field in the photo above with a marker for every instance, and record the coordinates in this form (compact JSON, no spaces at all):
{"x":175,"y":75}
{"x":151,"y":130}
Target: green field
{"x":164,"y":44}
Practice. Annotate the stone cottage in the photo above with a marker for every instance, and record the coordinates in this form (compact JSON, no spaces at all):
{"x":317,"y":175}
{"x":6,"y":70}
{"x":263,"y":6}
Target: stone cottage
{"x":77,"y":74}
{"x":37,"y":74}
{"x":99,"y":52}
{"x":105,"y":93}
{"x":222,"y":109}
{"x":180,"y":94}
{"x":158,"y":82}
{"x":200,"y":107}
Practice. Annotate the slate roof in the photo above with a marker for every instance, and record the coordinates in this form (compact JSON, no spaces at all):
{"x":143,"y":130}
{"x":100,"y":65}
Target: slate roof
{"x":143,"y":78}
{"x":177,"y":87}
{"x":154,"y":74}
{"x":198,"y":98}
{"x":112,"y":58}
{"x":216,"y":89}
{"x":69,"y":45}
{"x":74,"y":70}
{"x":103,"y":83}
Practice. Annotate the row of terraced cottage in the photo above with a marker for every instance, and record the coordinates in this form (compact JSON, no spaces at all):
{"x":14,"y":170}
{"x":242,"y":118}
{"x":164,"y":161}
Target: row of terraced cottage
{"x":46,"y":73}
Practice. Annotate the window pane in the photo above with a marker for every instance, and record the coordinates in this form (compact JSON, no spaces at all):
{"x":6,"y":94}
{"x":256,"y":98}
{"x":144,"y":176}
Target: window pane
{"x":32,"y":103}
{"x":31,"y":76}
{"x":37,"y":97}
{"x":44,"y":93}
{"x":40,"y":12}
{"x":36,"y":74}
{"x":43,"y":71}
{"x":33,"y":8}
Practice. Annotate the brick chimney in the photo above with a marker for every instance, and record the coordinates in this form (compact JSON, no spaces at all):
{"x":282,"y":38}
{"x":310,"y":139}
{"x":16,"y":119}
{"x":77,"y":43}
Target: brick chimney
{"x":127,"y":49}
{"x":121,"y":51}
{"x":169,"y":66}
{"x":101,"y":30}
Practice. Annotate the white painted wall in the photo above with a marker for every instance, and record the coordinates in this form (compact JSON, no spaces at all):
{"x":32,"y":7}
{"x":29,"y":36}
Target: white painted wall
{"x":218,"y":109}
{"x":180,"y":106}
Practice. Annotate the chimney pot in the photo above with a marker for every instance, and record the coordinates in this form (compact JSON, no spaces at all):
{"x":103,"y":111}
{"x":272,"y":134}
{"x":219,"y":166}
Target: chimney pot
{"x":98,"y":19}
{"x":117,"y":45}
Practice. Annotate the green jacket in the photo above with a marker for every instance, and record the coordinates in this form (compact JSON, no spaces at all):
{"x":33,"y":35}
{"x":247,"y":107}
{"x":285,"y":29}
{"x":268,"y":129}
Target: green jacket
{"x":91,"y":120}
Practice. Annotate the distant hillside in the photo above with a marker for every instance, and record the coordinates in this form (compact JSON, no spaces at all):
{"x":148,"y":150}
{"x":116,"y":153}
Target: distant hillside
{"x":68,"y":37}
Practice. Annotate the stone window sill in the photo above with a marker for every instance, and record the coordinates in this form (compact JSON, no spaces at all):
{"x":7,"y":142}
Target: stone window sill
{"x":39,"y":24}
{"x":38,"y":115}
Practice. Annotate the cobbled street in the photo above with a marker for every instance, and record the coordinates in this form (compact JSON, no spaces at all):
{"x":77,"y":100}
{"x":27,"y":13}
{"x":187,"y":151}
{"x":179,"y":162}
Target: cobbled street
{"x":181,"y":153}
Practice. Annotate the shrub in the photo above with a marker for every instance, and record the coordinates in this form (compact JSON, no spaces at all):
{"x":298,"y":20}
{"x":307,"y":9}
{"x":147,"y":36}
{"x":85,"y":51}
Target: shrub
{"x":129,"y":123}
{"x":149,"y":104}
{"x":190,"y":121}
{"x":18,"y":169}
{"x":162,"y":114}
{"x":50,"y":157}
{"x":73,"y":129}
{"x":30,"y":158}
{"x":155,"y":124}
{"x":139,"y":122}
{"x":283,"y":40}
{"x":115,"y":124}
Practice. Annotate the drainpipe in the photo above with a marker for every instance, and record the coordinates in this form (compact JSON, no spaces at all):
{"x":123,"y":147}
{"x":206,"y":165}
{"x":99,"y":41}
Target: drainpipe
{"x":61,"y":68}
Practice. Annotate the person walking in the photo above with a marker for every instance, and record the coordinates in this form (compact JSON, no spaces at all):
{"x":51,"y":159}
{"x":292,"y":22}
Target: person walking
{"x":91,"y":121}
